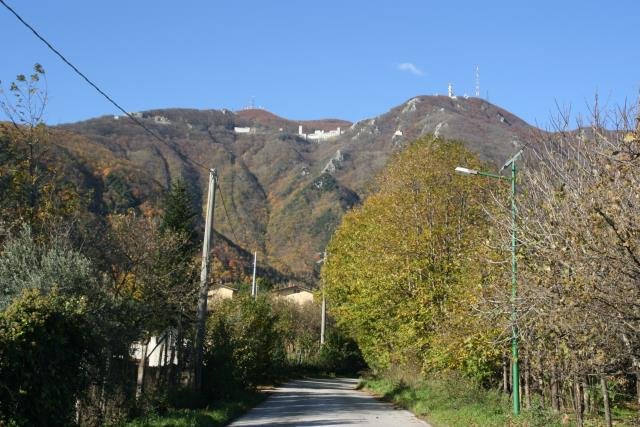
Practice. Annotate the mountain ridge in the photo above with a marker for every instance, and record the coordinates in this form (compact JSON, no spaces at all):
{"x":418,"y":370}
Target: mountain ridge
{"x":285,"y":191}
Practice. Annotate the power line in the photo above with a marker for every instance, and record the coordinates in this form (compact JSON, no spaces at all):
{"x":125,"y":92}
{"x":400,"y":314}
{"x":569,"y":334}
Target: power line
{"x":92,"y":84}
{"x":112,"y":101}
{"x":224,"y":206}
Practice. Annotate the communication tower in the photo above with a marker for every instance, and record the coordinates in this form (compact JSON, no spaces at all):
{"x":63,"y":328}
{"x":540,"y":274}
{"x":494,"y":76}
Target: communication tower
{"x":477,"y":81}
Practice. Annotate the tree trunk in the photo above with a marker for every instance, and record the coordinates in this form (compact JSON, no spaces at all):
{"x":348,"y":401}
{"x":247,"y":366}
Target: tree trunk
{"x":102,"y":400}
{"x":543,"y":391}
{"x":505,"y":376}
{"x":141,"y":366}
{"x":527,"y":391}
{"x":577,"y":404}
{"x":554,"y":390}
{"x":605,"y":402}
{"x":638,"y":392}
{"x":511,"y":376}
{"x":636,"y":365}
{"x":520,"y":390}
{"x":165,"y":360}
{"x":78,"y":411}
{"x":159,"y":367}
{"x":540,"y":380}
{"x":180,"y":353}
{"x":586,"y":396}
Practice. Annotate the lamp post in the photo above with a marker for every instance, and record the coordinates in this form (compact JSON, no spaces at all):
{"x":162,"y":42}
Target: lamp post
{"x":515,"y":380}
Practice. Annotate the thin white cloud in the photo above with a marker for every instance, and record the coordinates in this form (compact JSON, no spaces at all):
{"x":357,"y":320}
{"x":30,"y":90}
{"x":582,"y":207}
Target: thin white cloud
{"x":411,"y":68}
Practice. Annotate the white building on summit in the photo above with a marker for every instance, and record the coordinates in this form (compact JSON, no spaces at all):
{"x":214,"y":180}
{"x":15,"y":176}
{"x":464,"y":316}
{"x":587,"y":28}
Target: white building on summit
{"x":320,"y":135}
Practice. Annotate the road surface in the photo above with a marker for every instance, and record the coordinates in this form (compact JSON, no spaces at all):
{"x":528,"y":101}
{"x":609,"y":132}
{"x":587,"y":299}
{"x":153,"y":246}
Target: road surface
{"x":325,"y":402}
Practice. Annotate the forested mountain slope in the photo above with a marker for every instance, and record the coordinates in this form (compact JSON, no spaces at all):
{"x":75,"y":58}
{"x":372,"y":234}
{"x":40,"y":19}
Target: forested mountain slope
{"x":285,"y":193}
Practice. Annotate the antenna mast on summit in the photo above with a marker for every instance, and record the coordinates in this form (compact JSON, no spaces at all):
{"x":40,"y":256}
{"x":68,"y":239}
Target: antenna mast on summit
{"x":477,"y":81}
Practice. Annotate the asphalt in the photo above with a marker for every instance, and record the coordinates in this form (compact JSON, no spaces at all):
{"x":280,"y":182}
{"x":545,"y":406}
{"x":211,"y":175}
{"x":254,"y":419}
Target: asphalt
{"x":325,"y":402}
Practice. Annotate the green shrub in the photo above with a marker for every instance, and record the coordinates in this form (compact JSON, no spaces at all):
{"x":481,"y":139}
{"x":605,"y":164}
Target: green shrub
{"x":340,"y":355}
{"x":454,"y":399}
{"x":244,"y":348}
{"x":45,"y":344}
{"x":26,"y":263}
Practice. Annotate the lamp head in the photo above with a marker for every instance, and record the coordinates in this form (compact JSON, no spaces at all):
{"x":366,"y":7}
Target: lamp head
{"x":513,"y":159}
{"x":466,"y":171}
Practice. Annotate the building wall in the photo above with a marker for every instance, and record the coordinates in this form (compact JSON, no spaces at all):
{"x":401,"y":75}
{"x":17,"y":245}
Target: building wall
{"x":156,"y":358}
{"x":219,"y":293}
{"x":300,"y":298}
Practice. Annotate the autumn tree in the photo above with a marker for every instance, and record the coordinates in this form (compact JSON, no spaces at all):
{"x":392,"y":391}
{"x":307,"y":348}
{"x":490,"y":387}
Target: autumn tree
{"x":402,"y":273}
{"x":579,"y":251}
{"x":32,"y":192}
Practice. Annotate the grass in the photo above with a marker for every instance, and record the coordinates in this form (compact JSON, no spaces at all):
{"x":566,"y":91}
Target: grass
{"x":457,"y":401}
{"x":219,"y":413}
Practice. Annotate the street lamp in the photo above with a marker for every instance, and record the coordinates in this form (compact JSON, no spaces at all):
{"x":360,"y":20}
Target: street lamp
{"x":515,"y":380}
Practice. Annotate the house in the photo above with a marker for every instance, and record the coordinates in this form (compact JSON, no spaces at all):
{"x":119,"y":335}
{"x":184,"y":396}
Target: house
{"x":295,"y":292}
{"x":319,"y":135}
{"x":220,"y":292}
{"x":158,"y":350}
{"x":162,"y":120}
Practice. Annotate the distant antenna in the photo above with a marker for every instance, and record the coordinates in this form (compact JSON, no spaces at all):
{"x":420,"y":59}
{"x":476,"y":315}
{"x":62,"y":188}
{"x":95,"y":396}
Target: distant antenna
{"x":253,"y":102}
{"x":450,"y":90}
{"x":477,"y":81}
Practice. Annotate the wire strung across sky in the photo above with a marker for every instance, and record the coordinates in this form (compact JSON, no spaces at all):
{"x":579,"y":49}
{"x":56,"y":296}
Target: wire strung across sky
{"x":224,"y":205}
{"x":95,"y":86}
{"x":112,"y":101}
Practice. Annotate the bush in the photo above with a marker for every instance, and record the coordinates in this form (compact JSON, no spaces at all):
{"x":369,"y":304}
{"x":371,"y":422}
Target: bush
{"x":299,"y":327}
{"x":26,"y":263}
{"x":45,"y":344}
{"x":453,"y":399}
{"x":243,"y":347}
{"x":340,"y":355}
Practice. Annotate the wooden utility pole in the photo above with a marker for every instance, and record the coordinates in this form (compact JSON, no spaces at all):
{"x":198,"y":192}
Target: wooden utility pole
{"x":201,"y":313}
{"x":254,"y":289}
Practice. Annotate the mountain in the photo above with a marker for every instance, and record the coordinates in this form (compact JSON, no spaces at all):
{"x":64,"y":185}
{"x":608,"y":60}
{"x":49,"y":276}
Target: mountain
{"x":285,"y":193}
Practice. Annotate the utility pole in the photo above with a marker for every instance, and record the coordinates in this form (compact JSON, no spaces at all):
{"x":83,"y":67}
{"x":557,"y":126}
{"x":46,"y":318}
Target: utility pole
{"x":254,"y":288}
{"x":201,"y":313}
{"x":323,"y":315}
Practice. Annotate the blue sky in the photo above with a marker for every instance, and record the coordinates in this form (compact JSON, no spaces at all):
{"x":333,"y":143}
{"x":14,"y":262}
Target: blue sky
{"x":345,"y":59}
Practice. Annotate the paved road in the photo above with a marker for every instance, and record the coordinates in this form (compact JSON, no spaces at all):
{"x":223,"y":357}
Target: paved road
{"x":325,"y":402}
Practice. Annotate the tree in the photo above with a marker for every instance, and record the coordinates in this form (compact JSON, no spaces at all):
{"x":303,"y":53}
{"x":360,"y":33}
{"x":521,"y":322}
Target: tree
{"x":179,"y":213}
{"x":155,"y":270}
{"x":243,"y":348}
{"x":26,"y":263}
{"x":176,"y":262}
{"x":403,"y":271}
{"x":31,"y":189}
{"x":579,"y":247}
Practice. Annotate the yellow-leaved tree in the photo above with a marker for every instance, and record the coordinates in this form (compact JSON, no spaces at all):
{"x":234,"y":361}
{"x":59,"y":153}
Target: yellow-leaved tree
{"x":404,"y":274}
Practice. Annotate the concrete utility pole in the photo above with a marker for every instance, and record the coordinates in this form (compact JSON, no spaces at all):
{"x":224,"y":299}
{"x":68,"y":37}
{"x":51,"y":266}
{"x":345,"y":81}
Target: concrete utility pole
{"x":254,"y":288}
{"x":201,"y":313}
{"x":323,"y":315}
